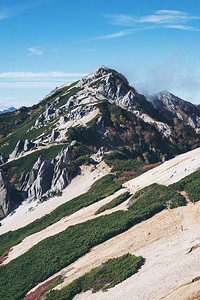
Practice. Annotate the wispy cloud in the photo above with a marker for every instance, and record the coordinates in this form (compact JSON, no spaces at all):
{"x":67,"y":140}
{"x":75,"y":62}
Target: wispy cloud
{"x":167,"y":16}
{"x":33,"y":84}
{"x":3,"y":15}
{"x":110,"y":36}
{"x":35,"y":51}
{"x":37,"y":79}
{"x":29,"y":75}
{"x":13,"y":10}
{"x":120,"y":19}
{"x":183,"y":27}
{"x":173,"y":19}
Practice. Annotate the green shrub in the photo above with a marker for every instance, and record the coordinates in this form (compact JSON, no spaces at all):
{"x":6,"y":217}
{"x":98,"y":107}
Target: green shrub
{"x":115,"y":202}
{"x":191,"y":184}
{"x":109,"y":274}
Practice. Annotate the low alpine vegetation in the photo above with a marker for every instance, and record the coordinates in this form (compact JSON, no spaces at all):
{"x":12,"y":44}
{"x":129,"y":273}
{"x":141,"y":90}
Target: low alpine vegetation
{"x":104,"y":277}
{"x":115,"y":202}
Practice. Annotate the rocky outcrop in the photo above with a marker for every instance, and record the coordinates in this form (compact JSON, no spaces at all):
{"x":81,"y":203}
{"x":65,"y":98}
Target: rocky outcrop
{"x":28,"y":145}
{"x":80,"y":112}
{"x":47,"y":176}
{"x":2,"y":160}
{"x":18,"y":149}
{"x":9,"y":196}
{"x":174,"y":107}
{"x":50,"y":112}
{"x":60,"y":177}
{"x":100,"y":126}
{"x":38,"y":181}
{"x":54,"y":135}
{"x":21,"y":147}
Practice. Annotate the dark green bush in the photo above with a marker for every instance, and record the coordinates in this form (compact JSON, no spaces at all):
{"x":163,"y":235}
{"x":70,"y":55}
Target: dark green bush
{"x":104,"y":277}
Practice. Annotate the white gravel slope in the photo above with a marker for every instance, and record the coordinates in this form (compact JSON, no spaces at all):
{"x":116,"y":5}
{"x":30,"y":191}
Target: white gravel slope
{"x":169,"y":172}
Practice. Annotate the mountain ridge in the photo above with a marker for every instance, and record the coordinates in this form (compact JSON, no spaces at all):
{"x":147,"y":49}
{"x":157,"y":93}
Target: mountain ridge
{"x":99,"y":111}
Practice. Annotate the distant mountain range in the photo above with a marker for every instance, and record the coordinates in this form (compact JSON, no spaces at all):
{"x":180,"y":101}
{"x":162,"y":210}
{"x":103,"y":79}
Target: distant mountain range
{"x":10,"y":109}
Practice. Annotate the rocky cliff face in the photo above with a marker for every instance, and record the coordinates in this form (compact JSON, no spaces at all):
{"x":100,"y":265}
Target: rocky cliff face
{"x":46,"y":177}
{"x":9,"y":197}
{"x":174,"y":107}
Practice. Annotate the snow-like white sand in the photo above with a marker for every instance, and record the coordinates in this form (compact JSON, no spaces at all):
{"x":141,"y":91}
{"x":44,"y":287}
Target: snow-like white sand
{"x":169,"y":172}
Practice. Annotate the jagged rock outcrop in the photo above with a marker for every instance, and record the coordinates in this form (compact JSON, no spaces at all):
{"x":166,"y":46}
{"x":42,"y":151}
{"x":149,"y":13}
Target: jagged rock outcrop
{"x":79,"y":112}
{"x":100,"y":126}
{"x":47,"y":176}
{"x":21,"y":147}
{"x":28,"y":145}
{"x":38,"y":181}
{"x":54,"y":135}
{"x":50,"y":112}
{"x":174,"y":107}
{"x":18,"y":149}
{"x":60,"y":177}
{"x":9,"y":196}
{"x":2,"y":160}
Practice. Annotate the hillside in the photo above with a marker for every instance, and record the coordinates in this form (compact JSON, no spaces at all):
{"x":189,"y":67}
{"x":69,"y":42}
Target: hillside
{"x":97,"y":174}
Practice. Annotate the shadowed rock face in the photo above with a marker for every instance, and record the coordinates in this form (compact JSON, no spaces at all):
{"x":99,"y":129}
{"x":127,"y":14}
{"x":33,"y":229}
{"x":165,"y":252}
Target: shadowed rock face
{"x":21,"y":147}
{"x":8,"y":195}
{"x":46,"y":176}
{"x":174,"y":107}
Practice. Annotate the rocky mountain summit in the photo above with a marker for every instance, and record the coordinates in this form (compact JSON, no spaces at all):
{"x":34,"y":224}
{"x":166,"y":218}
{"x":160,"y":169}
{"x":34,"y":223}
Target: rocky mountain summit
{"x":46,"y":144}
{"x":174,"y":107}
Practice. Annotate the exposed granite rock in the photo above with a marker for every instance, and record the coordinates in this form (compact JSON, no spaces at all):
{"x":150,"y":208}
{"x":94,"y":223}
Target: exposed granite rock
{"x":39,"y":179}
{"x":28,"y":145}
{"x":18,"y":149}
{"x":100,"y":126}
{"x":47,"y":176}
{"x":21,"y":147}
{"x":54,"y":135}
{"x":2,"y":160}
{"x":9,"y":196}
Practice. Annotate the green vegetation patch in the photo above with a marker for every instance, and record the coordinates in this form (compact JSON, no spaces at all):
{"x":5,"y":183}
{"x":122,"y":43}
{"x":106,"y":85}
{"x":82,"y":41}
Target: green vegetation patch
{"x":58,"y":251}
{"x":102,"y":188}
{"x":104,"y":277}
{"x":190,"y":184}
{"x":115,"y":202}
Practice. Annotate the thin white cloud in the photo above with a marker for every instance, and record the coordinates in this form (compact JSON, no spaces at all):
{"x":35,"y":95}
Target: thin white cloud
{"x":120,"y":19}
{"x":161,"y":18}
{"x":111,"y":36}
{"x":167,"y":16}
{"x":183,"y":27}
{"x":32,"y":84}
{"x":32,"y":75}
{"x":3,"y":15}
{"x":35,"y":51}
{"x":13,"y":10}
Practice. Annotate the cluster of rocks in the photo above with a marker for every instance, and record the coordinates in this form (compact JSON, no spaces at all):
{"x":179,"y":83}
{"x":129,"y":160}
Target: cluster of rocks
{"x":47,"y":176}
{"x":174,"y":107}
{"x":8,"y":194}
{"x":21,"y":147}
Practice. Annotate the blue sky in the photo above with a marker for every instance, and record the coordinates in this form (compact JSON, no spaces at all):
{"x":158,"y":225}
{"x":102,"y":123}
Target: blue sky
{"x":46,"y":43}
